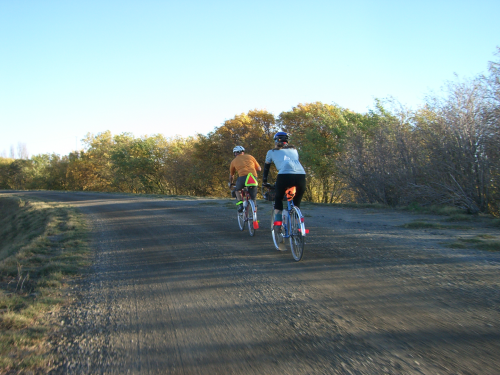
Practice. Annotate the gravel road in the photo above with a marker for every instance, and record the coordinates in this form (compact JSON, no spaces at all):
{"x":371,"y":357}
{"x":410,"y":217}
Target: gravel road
{"x":176,"y":288}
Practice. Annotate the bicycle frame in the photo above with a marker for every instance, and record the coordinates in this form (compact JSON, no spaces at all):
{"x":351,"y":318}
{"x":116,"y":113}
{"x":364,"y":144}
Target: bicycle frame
{"x":288,"y":224}
{"x":291,"y":227}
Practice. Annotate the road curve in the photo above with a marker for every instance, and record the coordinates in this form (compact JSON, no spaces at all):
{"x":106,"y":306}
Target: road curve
{"x":176,"y":288}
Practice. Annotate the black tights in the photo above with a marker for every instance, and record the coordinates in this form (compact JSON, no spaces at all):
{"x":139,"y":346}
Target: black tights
{"x":285,"y":181}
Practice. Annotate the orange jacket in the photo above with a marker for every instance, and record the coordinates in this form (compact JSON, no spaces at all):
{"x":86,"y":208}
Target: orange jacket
{"x":244,"y":164}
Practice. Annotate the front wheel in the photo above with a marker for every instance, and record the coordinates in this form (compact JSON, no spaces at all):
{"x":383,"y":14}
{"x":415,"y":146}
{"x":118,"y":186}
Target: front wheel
{"x":297,"y":232}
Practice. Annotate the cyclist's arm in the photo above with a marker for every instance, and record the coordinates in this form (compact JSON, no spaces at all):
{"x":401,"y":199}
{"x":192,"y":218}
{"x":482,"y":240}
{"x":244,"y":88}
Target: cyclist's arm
{"x":256,"y":165}
{"x":267,"y":166}
{"x":232,"y":170}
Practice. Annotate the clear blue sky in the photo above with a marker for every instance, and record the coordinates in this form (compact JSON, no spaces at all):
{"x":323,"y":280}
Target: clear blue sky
{"x":183,"y":67}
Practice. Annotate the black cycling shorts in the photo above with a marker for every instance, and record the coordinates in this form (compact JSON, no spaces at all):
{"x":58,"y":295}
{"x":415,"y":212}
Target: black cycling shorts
{"x":240,"y":184}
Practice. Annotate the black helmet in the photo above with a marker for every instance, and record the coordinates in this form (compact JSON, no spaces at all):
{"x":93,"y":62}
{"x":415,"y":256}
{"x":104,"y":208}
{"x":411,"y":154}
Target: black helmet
{"x":281,"y":137}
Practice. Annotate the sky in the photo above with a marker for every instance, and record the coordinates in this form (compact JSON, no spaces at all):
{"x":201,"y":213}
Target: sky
{"x":68,"y":68}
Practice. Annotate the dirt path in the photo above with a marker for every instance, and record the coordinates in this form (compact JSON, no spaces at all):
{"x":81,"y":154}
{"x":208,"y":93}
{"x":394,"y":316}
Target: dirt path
{"x":176,"y":288}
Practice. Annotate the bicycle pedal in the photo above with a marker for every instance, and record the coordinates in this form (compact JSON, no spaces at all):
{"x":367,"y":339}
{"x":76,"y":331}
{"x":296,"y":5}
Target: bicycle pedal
{"x":282,"y":246}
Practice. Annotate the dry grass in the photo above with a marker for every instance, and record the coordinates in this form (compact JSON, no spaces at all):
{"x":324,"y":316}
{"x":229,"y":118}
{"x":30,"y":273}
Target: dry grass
{"x":480,"y":242}
{"x":419,"y":224}
{"x":41,"y":246}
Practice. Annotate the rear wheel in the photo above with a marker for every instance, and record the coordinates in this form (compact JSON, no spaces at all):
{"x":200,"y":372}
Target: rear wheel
{"x":250,"y":209}
{"x":241,"y":219}
{"x":297,"y":238}
{"x":277,"y":233}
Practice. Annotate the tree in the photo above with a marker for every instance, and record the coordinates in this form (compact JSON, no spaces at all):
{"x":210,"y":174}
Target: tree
{"x":22,"y":151}
{"x":492,"y":120}
{"x":139,"y":163}
{"x":377,"y":158}
{"x":454,"y":137}
{"x":4,"y":172}
{"x":97,"y":170}
{"x":213,"y":152}
{"x":318,"y":131}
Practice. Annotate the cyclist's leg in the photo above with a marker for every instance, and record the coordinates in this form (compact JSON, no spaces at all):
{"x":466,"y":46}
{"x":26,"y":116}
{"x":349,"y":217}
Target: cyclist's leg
{"x":300,"y":185}
{"x":252,"y":190}
{"x":238,"y":195}
{"x":281,"y":186}
{"x":240,"y":184}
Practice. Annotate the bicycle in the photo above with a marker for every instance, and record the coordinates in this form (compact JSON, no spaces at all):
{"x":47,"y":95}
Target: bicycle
{"x":292,"y":225}
{"x":249,"y":213}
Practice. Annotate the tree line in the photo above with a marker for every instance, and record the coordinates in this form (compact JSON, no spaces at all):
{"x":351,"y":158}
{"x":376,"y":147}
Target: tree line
{"x":445,"y":152}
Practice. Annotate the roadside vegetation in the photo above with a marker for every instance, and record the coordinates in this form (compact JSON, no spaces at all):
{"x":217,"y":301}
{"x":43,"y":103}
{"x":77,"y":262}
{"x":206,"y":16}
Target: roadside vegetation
{"x":480,"y":242}
{"x":42,"y":245}
{"x":418,"y":224}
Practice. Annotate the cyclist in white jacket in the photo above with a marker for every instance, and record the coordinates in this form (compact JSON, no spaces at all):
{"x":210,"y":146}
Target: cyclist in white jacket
{"x":290,"y":172}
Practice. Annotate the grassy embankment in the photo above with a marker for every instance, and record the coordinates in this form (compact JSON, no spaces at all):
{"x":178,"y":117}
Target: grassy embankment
{"x":453,"y":216}
{"x":42,"y":245}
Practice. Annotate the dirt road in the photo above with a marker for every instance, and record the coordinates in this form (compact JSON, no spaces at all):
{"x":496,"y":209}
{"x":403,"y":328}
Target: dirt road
{"x":176,"y":288}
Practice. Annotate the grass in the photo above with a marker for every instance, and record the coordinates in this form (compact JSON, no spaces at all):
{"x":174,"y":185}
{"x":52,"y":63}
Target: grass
{"x":42,"y":245}
{"x":418,"y":224}
{"x":422,"y":225}
{"x":455,"y":217}
{"x":435,"y":210}
{"x":480,"y":242}
{"x":347,"y":205}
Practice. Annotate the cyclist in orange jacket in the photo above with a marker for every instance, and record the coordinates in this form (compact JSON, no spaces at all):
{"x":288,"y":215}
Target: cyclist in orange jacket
{"x":244,"y":164}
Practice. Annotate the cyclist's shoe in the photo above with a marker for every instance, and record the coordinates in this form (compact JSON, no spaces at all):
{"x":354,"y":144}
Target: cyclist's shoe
{"x":240,"y":206}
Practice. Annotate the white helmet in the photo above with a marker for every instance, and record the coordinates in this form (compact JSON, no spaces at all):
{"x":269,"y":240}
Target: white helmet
{"x":238,"y":149}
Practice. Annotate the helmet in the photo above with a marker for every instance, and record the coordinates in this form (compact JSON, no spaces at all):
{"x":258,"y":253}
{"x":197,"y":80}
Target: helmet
{"x":238,"y":149}
{"x":281,"y":137}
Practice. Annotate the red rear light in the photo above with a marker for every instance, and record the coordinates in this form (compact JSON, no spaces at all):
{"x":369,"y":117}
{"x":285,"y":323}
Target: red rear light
{"x":278,"y":223}
{"x":301,"y":219}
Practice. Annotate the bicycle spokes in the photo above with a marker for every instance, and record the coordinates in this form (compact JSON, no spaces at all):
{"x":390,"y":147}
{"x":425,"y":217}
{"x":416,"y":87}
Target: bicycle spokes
{"x":297,"y":233}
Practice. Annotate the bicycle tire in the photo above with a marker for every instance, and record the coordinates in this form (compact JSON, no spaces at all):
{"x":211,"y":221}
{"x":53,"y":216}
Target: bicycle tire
{"x":241,"y":219}
{"x":250,"y":209}
{"x":297,"y":239}
{"x":278,"y":240}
